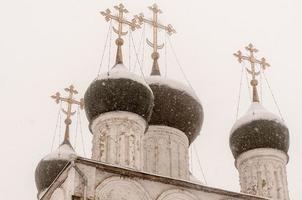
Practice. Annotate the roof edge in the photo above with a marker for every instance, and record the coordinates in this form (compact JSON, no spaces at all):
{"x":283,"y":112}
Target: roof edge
{"x":163,"y":179}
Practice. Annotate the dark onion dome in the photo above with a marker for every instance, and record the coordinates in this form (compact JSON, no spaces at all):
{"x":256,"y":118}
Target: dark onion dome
{"x":52,"y":164}
{"x":176,"y":106}
{"x":118,"y":90}
{"x":258,"y":128}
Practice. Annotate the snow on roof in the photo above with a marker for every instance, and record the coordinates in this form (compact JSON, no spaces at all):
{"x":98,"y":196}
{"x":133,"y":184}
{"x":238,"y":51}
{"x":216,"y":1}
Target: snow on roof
{"x":256,"y":112}
{"x":64,"y":152}
{"x":158,"y":80}
{"x":120,"y":71}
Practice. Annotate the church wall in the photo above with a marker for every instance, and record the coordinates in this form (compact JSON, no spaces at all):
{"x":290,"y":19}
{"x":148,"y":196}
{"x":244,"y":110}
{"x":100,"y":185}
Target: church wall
{"x":63,"y":188}
{"x":262,"y":172}
{"x":117,"y":139}
{"x":166,"y":152}
{"x":106,"y":183}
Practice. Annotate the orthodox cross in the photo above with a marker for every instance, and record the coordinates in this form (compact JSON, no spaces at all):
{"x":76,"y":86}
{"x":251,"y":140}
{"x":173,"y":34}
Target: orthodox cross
{"x":70,"y":101}
{"x":154,"y":44}
{"x":119,"y":31}
{"x":253,"y":71}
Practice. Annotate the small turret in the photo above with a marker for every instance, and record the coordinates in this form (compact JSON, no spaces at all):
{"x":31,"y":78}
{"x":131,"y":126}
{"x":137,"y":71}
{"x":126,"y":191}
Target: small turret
{"x":176,"y":118}
{"x":52,"y":164}
{"x":118,"y":105}
{"x":259,"y":141}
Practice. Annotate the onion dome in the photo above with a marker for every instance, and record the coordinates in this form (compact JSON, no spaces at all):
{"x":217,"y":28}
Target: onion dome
{"x":175,"y":105}
{"x":52,"y":164}
{"x":118,"y":90}
{"x":258,"y":128}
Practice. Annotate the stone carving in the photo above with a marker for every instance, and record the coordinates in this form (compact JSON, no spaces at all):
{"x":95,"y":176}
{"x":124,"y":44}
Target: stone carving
{"x":117,"y":138}
{"x":116,"y":188}
{"x":177,"y":194}
{"x":166,"y":152}
{"x":263,"y":172}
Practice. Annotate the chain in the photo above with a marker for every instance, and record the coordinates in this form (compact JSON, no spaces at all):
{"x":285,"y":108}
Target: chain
{"x":104,"y":49}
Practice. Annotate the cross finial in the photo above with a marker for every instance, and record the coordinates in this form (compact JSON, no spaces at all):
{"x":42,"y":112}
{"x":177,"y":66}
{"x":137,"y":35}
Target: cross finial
{"x":154,"y":44}
{"x":121,"y":8}
{"x":251,"y":48}
{"x":155,"y":9}
{"x":70,"y":101}
{"x":119,"y":18}
{"x":253,"y":71}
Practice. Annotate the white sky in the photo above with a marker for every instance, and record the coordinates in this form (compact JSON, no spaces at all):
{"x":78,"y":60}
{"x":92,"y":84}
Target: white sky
{"x":47,"y":45}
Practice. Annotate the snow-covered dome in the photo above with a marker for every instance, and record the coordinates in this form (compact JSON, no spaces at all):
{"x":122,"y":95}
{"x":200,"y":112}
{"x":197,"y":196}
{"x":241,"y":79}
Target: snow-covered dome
{"x":175,"y":105}
{"x":118,"y":90}
{"x":258,"y":128}
{"x":52,"y":164}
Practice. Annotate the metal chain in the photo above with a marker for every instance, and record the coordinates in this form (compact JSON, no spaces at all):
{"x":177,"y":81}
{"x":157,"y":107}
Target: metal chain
{"x":166,"y":65}
{"x":60,"y":129}
{"x":199,"y":163}
{"x":248,"y":85}
{"x":130,"y":32}
{"x":261,"y":85}
{"x":81,"y":132}
{"x":144,"y":46}
{"x":191,"y":159}
{"x":104,"y":49}
{"x":137,"y":58}
{"x":239,"y":94}
{"x":76,"y":131}
{"x":188,"y":82}
{"x":140,"y":44}
{"x":179,"y":65}
{"x":110,"y":41}
{"x":271,"y":91}
{"x":56,"y":127}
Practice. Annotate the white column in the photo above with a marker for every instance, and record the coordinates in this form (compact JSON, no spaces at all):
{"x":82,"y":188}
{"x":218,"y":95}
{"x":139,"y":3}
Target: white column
{"x":262,"y":172}
{"x":166,"y":152}
{"x":117,"y":139}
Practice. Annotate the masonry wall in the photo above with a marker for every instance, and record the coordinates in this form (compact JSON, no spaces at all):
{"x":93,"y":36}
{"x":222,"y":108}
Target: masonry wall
{"x":113,"y":183}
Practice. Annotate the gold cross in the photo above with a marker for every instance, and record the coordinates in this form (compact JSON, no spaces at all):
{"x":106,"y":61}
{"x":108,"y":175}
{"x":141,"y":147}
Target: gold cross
{"x":253,"y":71}
{"x":156,"y":25}
{"x":119,"y":31}
{"x":70,"y":101}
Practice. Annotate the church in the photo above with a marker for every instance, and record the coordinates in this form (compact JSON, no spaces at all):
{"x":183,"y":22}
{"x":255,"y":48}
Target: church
{"x":142,"y":129}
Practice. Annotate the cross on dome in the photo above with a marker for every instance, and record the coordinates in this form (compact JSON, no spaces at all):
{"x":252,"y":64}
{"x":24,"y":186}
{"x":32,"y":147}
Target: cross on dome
{"x":253,"y":71}
{"x":70,"y":101}
{"x":119,"y":31}
{"x":154,"y":44}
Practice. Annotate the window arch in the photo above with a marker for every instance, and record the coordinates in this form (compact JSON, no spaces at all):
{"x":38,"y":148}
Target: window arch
{"x":118,"y":188}
{"x":177,"y":194}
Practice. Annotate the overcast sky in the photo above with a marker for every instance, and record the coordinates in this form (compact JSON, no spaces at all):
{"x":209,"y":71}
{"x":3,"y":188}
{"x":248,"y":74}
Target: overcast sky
{"x":47,"y":45}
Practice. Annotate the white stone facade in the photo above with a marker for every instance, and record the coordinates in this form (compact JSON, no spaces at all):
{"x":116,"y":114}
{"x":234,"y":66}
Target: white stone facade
{"x":85,"y":179}
{"x":166,"y":152}
{"x":262,"y":172}
{"x":117,"y":139}
{"x":129,"y":163}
